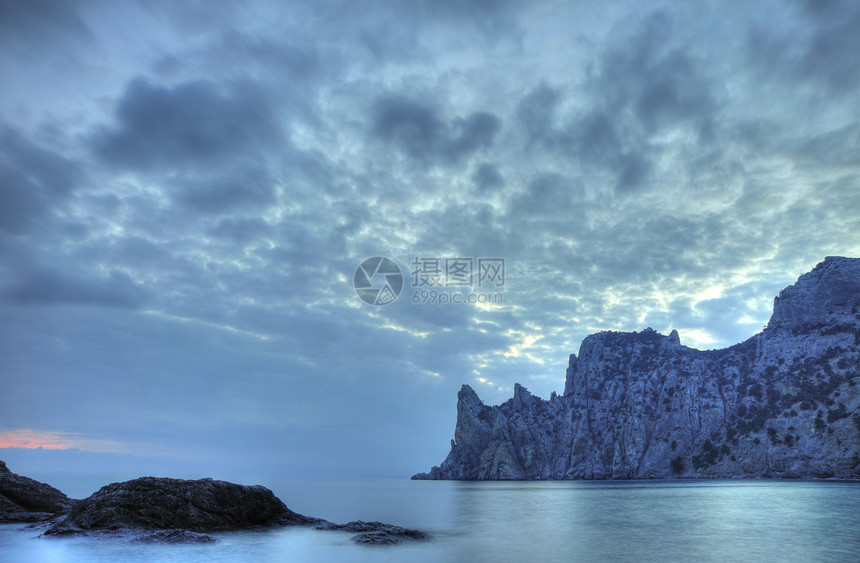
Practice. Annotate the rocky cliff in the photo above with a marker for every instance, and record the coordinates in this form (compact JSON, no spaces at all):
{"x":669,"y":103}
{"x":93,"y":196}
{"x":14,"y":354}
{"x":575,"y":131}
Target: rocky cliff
{"x":642,"y":406}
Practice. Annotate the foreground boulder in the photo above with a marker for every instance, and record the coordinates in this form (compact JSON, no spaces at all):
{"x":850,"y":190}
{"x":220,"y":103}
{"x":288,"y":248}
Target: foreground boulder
{"x":26,"y":500}
{"x":164,"y":510}
{"x":160,"y":503}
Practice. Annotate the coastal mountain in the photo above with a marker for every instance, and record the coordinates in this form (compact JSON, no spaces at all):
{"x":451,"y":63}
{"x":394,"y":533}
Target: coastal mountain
{"x":639,"y":405}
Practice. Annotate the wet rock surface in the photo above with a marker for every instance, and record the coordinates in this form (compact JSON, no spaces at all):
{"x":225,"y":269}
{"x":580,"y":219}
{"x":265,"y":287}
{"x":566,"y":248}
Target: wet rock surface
{"x":26,"y":500}
{"x":784,"y":403}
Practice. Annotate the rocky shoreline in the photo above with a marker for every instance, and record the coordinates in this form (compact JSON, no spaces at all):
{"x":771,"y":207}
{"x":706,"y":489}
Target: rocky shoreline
{"x":165,"y":510}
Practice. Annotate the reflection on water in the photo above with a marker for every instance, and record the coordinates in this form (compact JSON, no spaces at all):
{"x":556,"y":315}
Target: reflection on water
{"x":659,"y":520}
{"x":517,"y":521}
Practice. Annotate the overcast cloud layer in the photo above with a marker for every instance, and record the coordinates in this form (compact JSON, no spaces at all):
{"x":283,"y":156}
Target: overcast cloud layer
{"x":186,"y":190}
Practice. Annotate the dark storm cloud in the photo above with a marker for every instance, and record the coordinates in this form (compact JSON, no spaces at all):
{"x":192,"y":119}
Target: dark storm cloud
{"x":32,"y":24}
{"x":824,"y":53}
{"x":599,"y":142}
{"x":472,"y":133}
{"x":36,"y":285}
{"x":233,"y":191}
{"x":33,"y":179}
{"x":292,"y":62}
{"x":414,"y":127}
{"x":644,"y":83}
{"x":549,"y":196}
{"x":487,"y":177}
{"x":417,"y":130}
{"x":537,"y":113}
{"x":196,"y":122}
{"x":634,"y":172}
{"x":240,"y":230}
{"x":657,"y":81}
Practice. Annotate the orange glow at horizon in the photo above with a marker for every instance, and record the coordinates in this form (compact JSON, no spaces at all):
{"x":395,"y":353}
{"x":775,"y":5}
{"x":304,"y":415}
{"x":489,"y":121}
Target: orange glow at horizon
{"x":30,"y":439}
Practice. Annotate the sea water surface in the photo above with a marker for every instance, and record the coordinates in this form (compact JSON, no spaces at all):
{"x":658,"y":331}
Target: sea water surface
{"x":713,"y":520}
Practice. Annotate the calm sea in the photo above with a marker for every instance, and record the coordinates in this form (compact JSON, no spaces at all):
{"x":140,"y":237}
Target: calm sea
{"x":523,"y":521}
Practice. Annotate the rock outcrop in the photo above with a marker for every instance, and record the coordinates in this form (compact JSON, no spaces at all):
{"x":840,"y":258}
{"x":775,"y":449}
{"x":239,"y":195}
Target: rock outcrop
{"x":160,"y":503}
{"x":376,"y":533}
{"x":164,"y":510}
{"x":639,"y":405}
{"x":26,"y":500}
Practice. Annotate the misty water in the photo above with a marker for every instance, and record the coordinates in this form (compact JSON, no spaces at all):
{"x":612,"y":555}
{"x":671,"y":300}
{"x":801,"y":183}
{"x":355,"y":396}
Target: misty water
{"x":521,"y":521}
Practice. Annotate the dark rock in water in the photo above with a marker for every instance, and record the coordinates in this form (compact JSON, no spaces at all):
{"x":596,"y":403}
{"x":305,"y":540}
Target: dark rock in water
{"x":164,"y":510}
{"x":171,"y":536}
{"x":160,"y":503}
{"x":376,"y":538}
{"x":376,"y":532}
{"x":785,"y":403}
{"x":26,"y":500}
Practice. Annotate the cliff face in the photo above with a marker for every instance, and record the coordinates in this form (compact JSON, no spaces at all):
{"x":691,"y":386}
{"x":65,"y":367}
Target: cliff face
{"x":785,"y":403}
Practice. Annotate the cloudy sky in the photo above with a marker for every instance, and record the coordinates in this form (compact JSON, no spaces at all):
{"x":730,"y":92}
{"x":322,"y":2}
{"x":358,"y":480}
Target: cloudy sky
{"x":187,"y":189}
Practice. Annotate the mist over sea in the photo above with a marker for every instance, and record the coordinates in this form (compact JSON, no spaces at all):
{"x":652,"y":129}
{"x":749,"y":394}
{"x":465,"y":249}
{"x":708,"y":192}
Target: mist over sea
{"x":704,"y":520}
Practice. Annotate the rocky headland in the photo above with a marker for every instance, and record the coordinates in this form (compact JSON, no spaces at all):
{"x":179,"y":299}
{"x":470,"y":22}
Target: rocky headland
{"x":165,"y":510}
{"x":639,"y":405}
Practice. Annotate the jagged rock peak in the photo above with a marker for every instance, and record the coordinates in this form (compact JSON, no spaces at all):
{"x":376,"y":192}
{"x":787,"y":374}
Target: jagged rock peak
{"x":467,"y":395}
{"x":605,"y":345}
{"x":521,"y":392}
{"x":568,"y":375}
{"x":830,"y":292}
{"x":594,"y":343}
